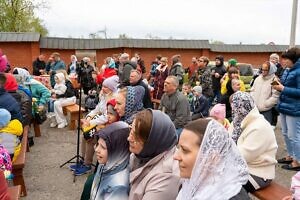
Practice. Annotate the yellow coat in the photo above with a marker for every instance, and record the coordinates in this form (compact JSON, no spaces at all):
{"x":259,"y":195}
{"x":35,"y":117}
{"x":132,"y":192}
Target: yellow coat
{"x":9,"y":137}
{"x":224,"y":83}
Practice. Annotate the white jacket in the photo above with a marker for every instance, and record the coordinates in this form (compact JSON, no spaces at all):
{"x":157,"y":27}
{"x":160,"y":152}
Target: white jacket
{"x":258,"y":145}
{"x":262,"y":93}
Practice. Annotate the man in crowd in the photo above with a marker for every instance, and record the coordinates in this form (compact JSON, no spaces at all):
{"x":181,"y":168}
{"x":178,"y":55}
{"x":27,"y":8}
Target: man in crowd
{"x":140,"y":63}
{"x":125,"y":68}
{"x":137,"y":79}
{"x":205,"y":78}
{"x":217,"y":73}
{"x":39,"y":65}
{"x":177,"y":69}
{"x":175,"y":104}
{"x":56,"y":64}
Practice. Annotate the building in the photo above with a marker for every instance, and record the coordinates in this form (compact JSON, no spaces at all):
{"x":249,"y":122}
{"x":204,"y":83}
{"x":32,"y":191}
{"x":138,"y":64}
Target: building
{"x":23,"y":48}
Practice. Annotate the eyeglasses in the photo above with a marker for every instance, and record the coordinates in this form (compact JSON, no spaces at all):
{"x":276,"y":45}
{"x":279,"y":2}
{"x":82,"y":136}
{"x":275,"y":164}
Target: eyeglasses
{"x":200,"y":60}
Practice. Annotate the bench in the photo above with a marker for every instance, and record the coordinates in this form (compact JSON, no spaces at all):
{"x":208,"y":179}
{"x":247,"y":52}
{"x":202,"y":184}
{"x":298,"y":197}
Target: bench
{"x":156,"y":103}
{"x":73,"y":110}
{"x":19,"y":163}
{"x":14,"y":192}
{"x":273,"y":192}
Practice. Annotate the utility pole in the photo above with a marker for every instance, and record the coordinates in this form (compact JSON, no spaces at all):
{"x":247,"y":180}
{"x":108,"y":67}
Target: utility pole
{"x":293,"y":24}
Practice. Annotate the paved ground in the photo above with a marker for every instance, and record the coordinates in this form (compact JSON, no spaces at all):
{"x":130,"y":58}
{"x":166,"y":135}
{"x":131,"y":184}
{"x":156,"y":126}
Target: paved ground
{"x":45,"y":180}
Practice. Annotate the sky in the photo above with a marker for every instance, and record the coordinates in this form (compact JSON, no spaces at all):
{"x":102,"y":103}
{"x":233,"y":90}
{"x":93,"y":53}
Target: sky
{"x":229,"y":21}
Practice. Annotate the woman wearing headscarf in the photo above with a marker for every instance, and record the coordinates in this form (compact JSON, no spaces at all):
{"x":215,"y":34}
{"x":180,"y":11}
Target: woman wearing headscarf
{"x":73,"y":67}
{"x":264,"y":96}
{"x":152,"y":142}
{"x":129,"y":101}
{"x":111,"y":180}
{"x":160,"y":75}
{"x":37,"y":89}
{"x":210,"y":164}
{"x":289,"y":107}
{"x":255,"y":140}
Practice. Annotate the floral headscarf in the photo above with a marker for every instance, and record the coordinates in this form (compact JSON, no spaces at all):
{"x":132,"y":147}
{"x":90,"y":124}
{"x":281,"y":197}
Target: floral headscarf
{"x":242,"y":104}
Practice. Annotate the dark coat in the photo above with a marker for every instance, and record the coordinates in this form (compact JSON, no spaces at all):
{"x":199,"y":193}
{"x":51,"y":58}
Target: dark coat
{"x":25,"y":105}
{"x":200,"y":107}
{"x":37,"y":65}
{"x":9,"y":103}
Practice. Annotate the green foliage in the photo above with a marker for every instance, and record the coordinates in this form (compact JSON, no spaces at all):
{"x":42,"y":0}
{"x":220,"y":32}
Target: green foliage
{"x":18,"y":16}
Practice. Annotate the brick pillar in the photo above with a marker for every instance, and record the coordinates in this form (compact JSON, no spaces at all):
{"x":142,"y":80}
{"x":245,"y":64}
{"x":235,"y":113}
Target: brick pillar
{"x":35,"y":52}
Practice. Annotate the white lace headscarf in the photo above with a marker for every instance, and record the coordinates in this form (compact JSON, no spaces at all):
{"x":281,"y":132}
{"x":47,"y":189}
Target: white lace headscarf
{"x":219,"y":171}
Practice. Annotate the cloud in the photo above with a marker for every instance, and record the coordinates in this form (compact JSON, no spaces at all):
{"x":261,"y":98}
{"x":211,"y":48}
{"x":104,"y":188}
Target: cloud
{"x":231,"y":21}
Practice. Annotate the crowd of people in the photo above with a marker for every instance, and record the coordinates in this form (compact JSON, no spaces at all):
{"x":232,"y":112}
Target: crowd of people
{"x":208,"y":139}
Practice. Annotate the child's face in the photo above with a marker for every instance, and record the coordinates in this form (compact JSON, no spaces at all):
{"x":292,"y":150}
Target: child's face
{"x":186,"y":89}
{"x":56,"y":79}
{"x":111,"y":118}
{"x":101,"y":151}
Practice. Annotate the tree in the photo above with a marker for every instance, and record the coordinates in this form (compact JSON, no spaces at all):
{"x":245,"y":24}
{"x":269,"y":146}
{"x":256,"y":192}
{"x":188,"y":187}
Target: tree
{"x":18,"y":16}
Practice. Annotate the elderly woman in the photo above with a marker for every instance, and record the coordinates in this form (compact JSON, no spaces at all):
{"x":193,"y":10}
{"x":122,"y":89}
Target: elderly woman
{"x":255,"y":140}
{"x":111,"y":180}
{"x":129,"y":101}
{"x":152,"y":142}
{"x":265,"y":97}
{"x":210,"y":164}
{"x":289,"y":107}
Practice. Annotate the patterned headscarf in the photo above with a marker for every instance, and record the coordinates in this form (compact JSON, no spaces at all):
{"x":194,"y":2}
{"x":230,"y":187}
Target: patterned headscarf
{"x":242,"y":104}
{"x":219,"y":171}
{"x":134,"y":102}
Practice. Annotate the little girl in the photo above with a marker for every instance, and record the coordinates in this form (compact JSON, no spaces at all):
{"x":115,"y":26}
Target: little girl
{"x":218,"y":112}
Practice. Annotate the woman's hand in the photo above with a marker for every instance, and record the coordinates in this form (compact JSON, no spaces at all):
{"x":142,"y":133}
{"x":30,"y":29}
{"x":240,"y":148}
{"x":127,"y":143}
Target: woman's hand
{"x":278,"y":87}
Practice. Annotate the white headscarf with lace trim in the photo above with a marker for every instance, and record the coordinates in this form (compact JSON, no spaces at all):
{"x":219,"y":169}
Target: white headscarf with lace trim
{"x":219,"y":171}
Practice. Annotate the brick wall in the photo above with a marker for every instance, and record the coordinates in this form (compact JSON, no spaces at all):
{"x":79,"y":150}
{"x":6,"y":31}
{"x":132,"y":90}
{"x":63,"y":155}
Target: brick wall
{"x":24,"y":53}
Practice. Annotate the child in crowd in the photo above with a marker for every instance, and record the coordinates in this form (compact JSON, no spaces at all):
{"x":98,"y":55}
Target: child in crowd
{"x":10,"y":133}
{"x":91,"y":100}
{"x":58,"y":90}
{"x":218,"y":112}
{"x":90,"y":126}
{"x":200,"y":104}
{"x":187,"y":91}
{"x":112,"y":150}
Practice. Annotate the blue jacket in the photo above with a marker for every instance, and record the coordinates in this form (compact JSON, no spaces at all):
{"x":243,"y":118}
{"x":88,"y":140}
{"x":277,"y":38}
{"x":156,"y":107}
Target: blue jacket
{"x":9,"y":103}
{"x":289,"y":100}
{"x":113,"y":185}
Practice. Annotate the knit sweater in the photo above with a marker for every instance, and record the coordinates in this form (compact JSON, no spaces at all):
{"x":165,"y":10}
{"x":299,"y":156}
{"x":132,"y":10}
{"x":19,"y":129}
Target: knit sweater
{"x":258,"y":145}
